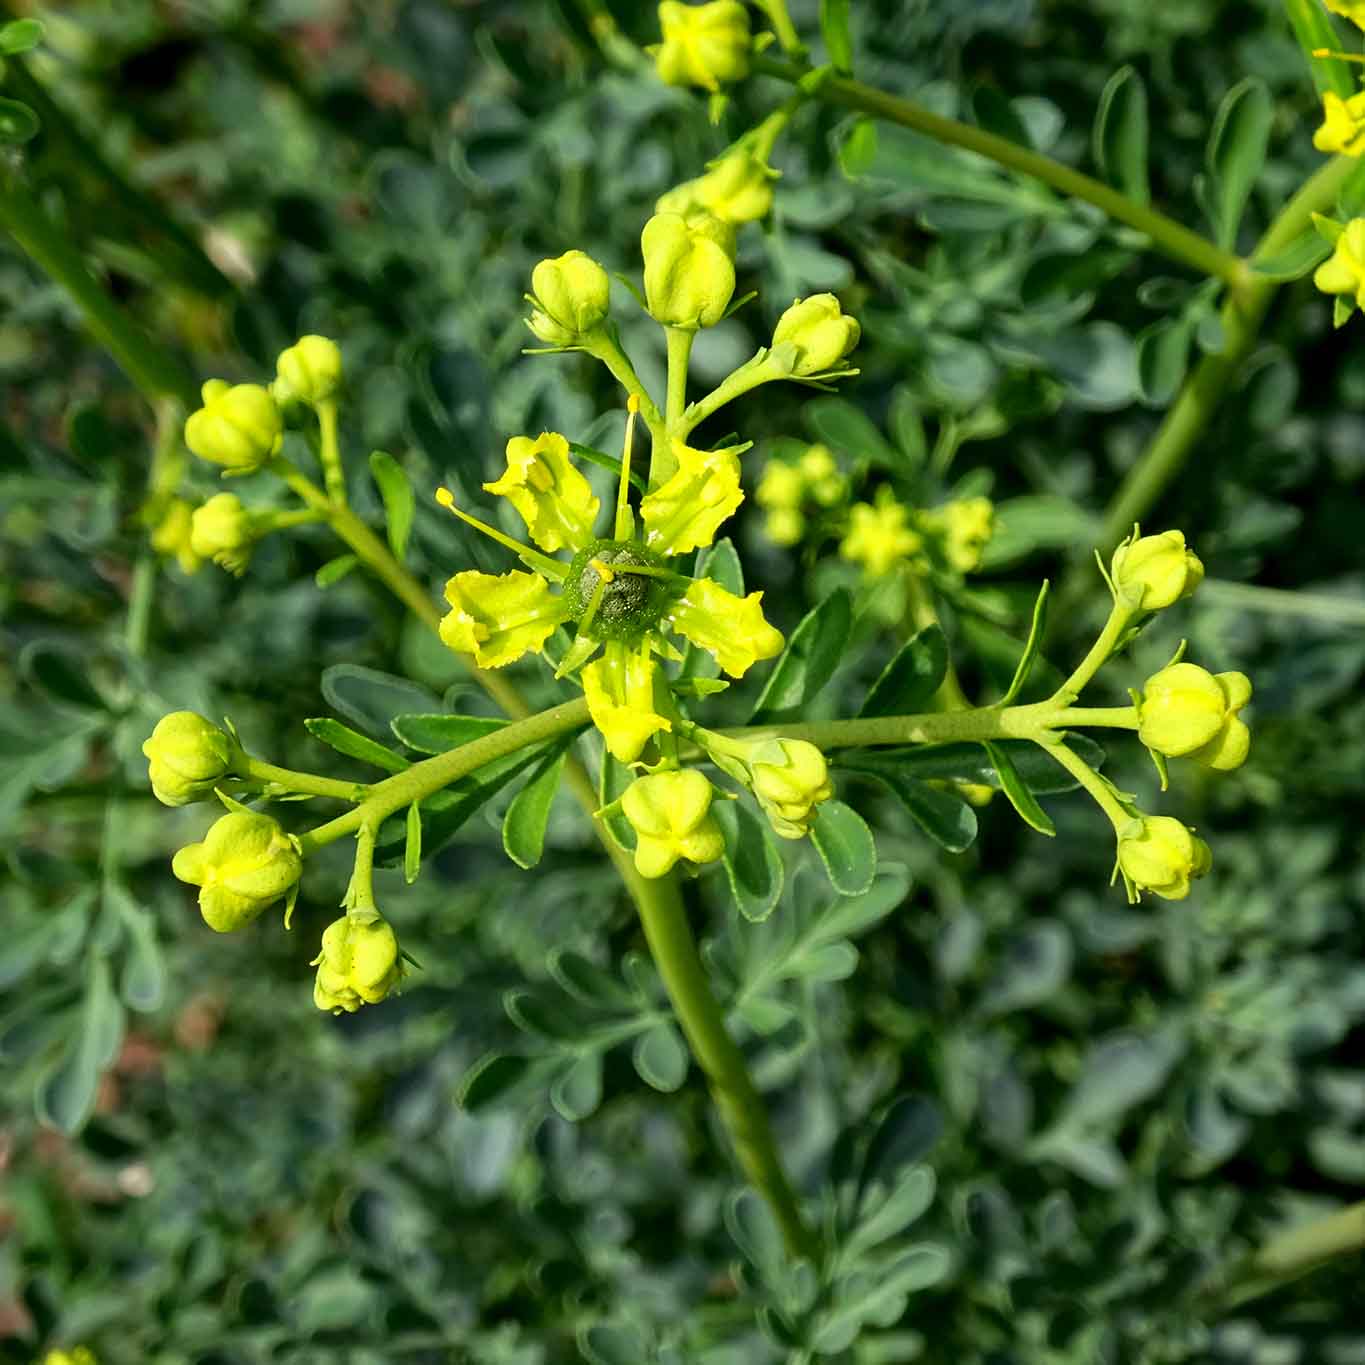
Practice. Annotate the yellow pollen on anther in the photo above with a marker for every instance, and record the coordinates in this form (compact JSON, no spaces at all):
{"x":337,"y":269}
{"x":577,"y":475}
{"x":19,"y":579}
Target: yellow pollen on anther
{"x":446,"y":498}
{"x":633,"y":403}
{"x":603,"y":571}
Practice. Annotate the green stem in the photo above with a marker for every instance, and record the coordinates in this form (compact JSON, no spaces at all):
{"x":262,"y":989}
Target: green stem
{"x":429,"y":776}
{"x":1290,"y":1256}
{"x":1100,"y":790}
{"x":662,"y":461}
{"x":741,"y":1108}
{"x":787,"y":36}
{"x":155,"y":372}
{"x":604,"y":346}
{"x":137,"y":632}
{"x":1120,"y":617}
{"x":1175,"y":439}
{"x":306,"y":784}
{"x":1166,"y":234}
{"x":329,"y":452}
{"x":749,"y":376}
{"x":360,"y":889}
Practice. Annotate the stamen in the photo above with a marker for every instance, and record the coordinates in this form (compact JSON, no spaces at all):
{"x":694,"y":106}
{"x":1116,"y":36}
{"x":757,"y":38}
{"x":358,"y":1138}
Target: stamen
{"x":623,"y":518}
{"x":533,"y":559}
{"x":604,"y":572}
{"x":1340,"y":56}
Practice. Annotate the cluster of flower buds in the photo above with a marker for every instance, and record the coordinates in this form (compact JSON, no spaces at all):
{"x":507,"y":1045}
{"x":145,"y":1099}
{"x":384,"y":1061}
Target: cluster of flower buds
{"x":792,"y":490}
{"x":359,"y":963}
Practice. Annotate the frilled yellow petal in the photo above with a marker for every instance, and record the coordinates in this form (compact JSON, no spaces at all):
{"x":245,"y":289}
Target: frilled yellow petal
{"x":1354,"y":10}
{"x":671,"y":815}
{"x":1344,"y":271}
{"x":499,"y":617}
{"x":555,"y":501}
{"x":619,"y":688}
{"x":685,"y":512}
{"x":731,"y":628}
{"x":1343,"y":125}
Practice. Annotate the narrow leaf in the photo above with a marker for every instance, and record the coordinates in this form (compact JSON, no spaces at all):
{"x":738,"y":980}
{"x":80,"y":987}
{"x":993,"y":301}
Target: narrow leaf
{"x":846,"y":847}
{"x":523,"y":827}
{"x":400,"y":503}
{"x":944,"y":816}
{"x":490,"y":1079}
{"x":18,"y":123}
{"x":605,"y":461}
{"x":912,"y":677}
{"x":436,"y":734}
{"x":412,"y":851}
{"x":834,"y":30}
{"x":1020,"y":797}
{"x":660,"y":1056}
{"x":19,"y":35}
{"x":335,"y":570}
{"x":353,"y":744}
{"x":1031,"y":647}
{"x":812,"y":654}
{"x":1236,"y":154}
{"x":1119,"y":137}
{"x":1304,"y":253}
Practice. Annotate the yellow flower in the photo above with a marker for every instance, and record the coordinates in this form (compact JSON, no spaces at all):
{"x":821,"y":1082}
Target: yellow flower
{"x":1158,"y":854}
{"x":785,"y":527}
{"x":571,"y":294}
{"x":965,"y":525}
{"x":1354,"y":10}
{"x":879,"y":537}
{"x":309,"y":371}
{"x":245,"y":862}
{"x":705,"y":45}
{"x":1186,"y":711}
{"x":1152,"y":572}
{"x":685,"y":512}
{"x":78,"y":1355}
{"x":790,"y":778}
{"x":782,"y":487}
{"x":173,"y":535}
{"x":555,"y":501}
{"x":188,"y":757}
{"x":359,"y":963}
{"x":731,"y":628}
{"x":1344,"y":271}
{"x":619,"y":688}
{"x":499,"y":617}
{"x":820,"y":331}
{"x":689,"y":269}
{"x":671,"y":815}
{"x":736,"y":189}
{"x":239,"y":427}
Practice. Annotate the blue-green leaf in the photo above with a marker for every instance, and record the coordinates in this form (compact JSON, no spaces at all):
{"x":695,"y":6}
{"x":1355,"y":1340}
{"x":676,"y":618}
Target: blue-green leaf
{"x":1119,"y":137}
{"x":846,"y":847}
{"x":400,"y":503}
{"x":1014,"y":787}
{"x":912,"y":677}
{"x":812,"y":654}
{"x":944,"y":816}
{"x":834,"y":30}
{"x":1235,"y":155}
{"x":523,"y":827}
{"x":353,"y":744}
{"x":752,"y":863}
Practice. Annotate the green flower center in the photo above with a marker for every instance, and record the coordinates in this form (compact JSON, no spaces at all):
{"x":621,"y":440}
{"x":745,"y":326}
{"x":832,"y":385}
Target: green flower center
{"x":603,"y":588}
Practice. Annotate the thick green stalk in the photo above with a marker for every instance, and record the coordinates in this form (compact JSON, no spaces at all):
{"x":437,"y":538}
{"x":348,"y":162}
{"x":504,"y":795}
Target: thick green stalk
{"x":1204,"y":390}
{"x":674,"y":950}
{"x":1165,"y":234}
{"x":432,"y":774}
{"x":1288,"y":1257}
{"x":306,"y":784}
{"x":151,"y":368}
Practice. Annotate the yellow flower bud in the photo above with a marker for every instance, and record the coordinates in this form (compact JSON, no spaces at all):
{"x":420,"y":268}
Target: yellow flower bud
{"x":188,"y":757}
{"x":783,"y":486}
{"x":1159,"y":854}
{"x":238,"y":427}
{"x":221,"y":531}
{"x":555,"y":501}
{"x":1152,"y":572}
{"x":704,"y":45}
{"x":822,"y":334}
{"x":737,"y":189}
{"x":1343,"y":272}
{"x":1343,"y":125}
{"x":790,"y":778}
{"x":785,"y":527}
{"x":879,"y":536}
{"x":730,"y":628}
{"x":499,"y":617}
{"x":685,"y":512}
{"x":671,"y":815}
{"x":820,"y":471}
{"x":309,"y":371}
{"x":173,"y":534}
{"x":689,"y":269}
{"x":359,"y":964}
{"x":245,"y":862}
{"x":572,"y":294}
{"x":619,"y":688}
{"x":78,"y":1355}
{"x":1188,"y":712}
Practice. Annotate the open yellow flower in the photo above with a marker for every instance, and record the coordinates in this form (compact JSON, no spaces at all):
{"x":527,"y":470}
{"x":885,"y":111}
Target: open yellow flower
{"x":620,"y":691}
{"x":499,"y":617}
{"x":686,"y":511}
{"x":1343,"y":125}
{"x":555,"y":501}
{"x":879,"y":536}
{"x":731,"y":628}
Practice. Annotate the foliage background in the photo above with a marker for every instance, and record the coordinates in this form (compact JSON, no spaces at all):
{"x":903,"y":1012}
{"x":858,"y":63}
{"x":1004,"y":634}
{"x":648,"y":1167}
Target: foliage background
{"x":1112,"y":1099}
